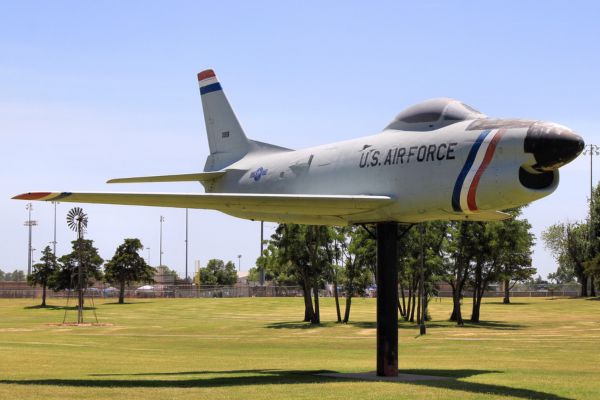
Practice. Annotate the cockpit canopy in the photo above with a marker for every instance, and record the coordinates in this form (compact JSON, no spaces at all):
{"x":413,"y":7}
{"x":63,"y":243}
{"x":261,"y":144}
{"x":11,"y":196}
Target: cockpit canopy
{"x":434,"y":114}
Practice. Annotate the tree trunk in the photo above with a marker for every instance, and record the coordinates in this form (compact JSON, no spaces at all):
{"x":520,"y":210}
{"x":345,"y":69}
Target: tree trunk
{"x":348,"y":305}
{"x":121,"y":292}
{"x":476,"y":293}
{"x":506,"y":292}
{"x":419,"y":306}
{"x":316,"y":316}
{"x":476,"y":308}
{"x":44,"y":295}
{"x":409,"y":305}
{"x":412,"y":310}
{"x":403,"y":308}
{"x":337,"y":301}
{"x":308,"y":307}
{"x":456,"y":313}
{"x":592,"y":287}
{"x":584,"y":282}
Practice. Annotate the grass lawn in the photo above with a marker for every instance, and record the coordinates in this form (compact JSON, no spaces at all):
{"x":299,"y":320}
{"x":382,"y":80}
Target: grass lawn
{"x":257,"y":348}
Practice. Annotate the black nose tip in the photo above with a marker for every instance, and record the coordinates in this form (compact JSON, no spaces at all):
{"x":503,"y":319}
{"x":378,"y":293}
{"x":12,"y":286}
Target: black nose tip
{"x":552,"y":145}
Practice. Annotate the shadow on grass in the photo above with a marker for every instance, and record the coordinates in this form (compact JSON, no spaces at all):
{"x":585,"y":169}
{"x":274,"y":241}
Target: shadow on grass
{"x":51,"y":307}
{"x":497,"y":325}
{"x":512,"y":303}
{"x":284,"y":377}
{"x":593,"y":298}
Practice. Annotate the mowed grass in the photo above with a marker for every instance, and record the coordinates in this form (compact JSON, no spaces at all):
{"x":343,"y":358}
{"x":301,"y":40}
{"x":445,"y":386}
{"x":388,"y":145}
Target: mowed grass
{"x":258,"y":348}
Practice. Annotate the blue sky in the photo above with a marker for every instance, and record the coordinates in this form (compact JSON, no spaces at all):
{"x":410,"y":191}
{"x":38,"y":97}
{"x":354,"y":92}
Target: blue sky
{"x":95,"y":90}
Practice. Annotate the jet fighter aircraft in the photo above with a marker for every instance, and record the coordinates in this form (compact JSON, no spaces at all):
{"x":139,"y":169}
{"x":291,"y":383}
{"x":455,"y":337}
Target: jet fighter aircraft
{"x":437,"y":160}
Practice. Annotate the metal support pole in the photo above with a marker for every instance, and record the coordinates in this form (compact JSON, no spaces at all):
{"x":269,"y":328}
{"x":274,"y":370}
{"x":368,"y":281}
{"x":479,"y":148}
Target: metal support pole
{"x":80,"y":277}
{"x":261,"y":276}
{"x":422,"y":329}
{"x":162,"y":219}
{"x":29,"y":224}
{"x":186,"y":244}
{"x":29,"y":248}
{"x":54,"y":241}
{"x":387,"y":299}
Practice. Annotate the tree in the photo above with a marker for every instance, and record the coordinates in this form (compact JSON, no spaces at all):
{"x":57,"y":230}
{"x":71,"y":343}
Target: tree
{"x":305,"y":253}
{"x":127,"y":266}
{"x":359,"y":259}
{"x":568,"y":243}
{"x":42,"y":272}
{"x":516,"y":242}
{"x":457,"y":263}
{"x":85,"y":252}
{"x":217,"y":272}
{"x":16,"y":276}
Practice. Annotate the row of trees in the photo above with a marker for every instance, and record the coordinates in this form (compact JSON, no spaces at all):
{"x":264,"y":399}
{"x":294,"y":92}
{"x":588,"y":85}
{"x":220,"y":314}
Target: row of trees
{"x":465,"y":255}
{"x":217,"y":272}
{"x":16,"y":276}
{"x":576,"y":248}
{"x":125,"y":267}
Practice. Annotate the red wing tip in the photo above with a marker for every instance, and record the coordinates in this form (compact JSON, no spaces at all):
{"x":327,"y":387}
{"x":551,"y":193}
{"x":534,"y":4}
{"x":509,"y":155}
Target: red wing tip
{"x":207,"y":73}
{"x":32,"y":196}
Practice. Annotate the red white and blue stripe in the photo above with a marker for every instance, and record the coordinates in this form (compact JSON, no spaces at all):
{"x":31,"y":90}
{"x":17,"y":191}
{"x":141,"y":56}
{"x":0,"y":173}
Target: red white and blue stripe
{"x":464,"y":195}
{"x":208,"y":82}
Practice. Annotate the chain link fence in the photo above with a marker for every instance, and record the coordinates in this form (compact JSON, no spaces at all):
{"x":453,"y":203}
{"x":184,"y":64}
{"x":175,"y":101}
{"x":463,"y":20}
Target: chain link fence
{"x":187,"y":290}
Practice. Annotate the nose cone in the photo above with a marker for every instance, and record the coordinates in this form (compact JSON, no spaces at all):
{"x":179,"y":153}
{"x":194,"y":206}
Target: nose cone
{"x":552,"y":145}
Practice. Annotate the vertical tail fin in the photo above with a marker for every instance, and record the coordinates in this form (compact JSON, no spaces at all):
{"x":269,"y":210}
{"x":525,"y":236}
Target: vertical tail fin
{"x":226,"y":138}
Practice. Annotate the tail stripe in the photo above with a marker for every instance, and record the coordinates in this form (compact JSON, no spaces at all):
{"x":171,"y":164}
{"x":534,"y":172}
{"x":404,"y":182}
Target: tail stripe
{"x":210,"y":88}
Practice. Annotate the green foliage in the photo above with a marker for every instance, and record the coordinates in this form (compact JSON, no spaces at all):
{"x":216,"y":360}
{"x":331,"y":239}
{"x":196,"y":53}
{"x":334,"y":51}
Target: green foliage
{"x":16,"y":276}
{"x":42,"y":272}
{"x":217,"y":272}
{"x":127,"y":266}
{"x":358,"y":250}
{"x":568,"y":243}
{"x":84,"y":252}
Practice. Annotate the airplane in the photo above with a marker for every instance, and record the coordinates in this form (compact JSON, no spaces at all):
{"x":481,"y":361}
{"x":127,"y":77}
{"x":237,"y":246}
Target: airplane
{"x":437,"y":160}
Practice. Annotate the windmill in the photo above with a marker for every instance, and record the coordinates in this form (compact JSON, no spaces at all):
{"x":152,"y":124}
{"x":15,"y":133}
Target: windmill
{"x":77,"y":221}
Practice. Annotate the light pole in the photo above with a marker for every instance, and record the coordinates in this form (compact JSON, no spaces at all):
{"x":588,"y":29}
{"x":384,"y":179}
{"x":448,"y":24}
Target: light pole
{"x":186,"y":244}
{"x":162,"y":219}
{"x":148,"y":248}
{"x":592,"y":150}
{"x":239,"y":262}
{"x":261,"y":275}
{"x":54,"y":241}
{"x":29,"y":223}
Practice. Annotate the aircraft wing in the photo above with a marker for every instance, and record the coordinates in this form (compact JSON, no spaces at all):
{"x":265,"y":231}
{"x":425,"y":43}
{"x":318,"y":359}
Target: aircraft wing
{"x":231,"y":203}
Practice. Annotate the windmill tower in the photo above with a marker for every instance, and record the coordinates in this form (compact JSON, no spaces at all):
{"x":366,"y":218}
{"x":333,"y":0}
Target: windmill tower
{"x":77,"y":221}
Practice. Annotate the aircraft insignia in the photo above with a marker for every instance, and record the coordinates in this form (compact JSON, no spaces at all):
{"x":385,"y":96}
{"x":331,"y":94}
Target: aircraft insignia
{"x":256,"y":175}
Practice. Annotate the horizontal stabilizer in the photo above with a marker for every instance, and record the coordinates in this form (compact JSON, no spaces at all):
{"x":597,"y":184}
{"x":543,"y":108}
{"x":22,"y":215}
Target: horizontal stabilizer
{"x":198,"y":177}
{"x":230,"y":203}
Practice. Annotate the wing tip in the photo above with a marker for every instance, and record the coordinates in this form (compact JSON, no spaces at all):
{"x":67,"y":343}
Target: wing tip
{"x":32,"y":196}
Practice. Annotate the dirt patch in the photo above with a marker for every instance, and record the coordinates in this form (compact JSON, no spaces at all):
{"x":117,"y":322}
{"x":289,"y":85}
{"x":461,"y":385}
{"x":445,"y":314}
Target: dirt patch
{"x":84,"y":324}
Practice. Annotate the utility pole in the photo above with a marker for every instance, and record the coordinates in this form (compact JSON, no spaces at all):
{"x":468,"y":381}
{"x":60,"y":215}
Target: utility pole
{"x":186,"y":244}
{"x":261,"y":274}
{"x":29,"y":223}
{"x":162,"y":219}
{"x":592,"y":150}
{"x":54,"y":241}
